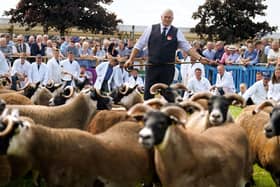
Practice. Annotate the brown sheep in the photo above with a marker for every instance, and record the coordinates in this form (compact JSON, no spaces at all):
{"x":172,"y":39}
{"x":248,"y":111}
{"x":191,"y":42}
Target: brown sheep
{"x":15,"y":99}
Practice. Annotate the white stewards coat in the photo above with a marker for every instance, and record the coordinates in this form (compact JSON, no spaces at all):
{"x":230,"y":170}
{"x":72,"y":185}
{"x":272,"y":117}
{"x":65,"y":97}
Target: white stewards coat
{"x":40,"y":75}
{"x":54,"y":70}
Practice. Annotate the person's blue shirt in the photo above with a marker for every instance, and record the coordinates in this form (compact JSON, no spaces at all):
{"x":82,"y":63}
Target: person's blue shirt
{"x":219,"y":53}
{"x":209,"y":54}
{"x":251,"y":55}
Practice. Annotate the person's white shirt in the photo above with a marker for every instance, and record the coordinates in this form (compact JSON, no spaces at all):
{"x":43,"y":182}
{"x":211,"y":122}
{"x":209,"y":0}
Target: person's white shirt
{"x":132,"y":81}
{"x":273,"y":55}
{"x":4,"y":66}
{"x":72,"y":68}
{"x":144,"y":39}
{"x":28,"y":52}
{"x":194,"y":86}
{"x":38,"y":75}
{"x":122,"y":73}
{"x":226,"y":82}
{"x":191,"y":70}
{"x":184,"y":70}
{"x":54,"y":70}
{"x":256,"y":92}
{"x":273,"y":91}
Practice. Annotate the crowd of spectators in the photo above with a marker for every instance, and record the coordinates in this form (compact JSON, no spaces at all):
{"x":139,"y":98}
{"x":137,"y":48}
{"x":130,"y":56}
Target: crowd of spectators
{"x":99,"y":62}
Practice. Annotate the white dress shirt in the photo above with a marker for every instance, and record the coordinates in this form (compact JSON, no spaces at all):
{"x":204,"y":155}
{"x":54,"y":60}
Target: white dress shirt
{"x":73,"y":69}
{"x":273,"y":91}
{"x":4,"y":67}
{"x":226,"y":82}
{"x":138,"y":81}
{"x":38,"y":75}
{"x":54,"y":70}
{"x":144,"y":39}
{"x":257,"y":92}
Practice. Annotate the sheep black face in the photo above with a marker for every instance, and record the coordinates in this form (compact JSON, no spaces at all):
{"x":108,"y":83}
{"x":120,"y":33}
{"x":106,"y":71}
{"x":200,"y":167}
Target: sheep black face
{"x":61,"y":95}
{"x":273,"y":127}
{"x":30,"y":89}
{"x":156,"y":124}
{"x":218,"y":109}
{"x":2,"y":105}
{"x":171,"y":95}
{"x":121,"y":92}
{"x":103,"y":102}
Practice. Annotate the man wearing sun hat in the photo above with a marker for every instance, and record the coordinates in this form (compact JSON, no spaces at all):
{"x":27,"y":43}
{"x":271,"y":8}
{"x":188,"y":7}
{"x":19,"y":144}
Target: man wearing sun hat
{"x":257,"y":93}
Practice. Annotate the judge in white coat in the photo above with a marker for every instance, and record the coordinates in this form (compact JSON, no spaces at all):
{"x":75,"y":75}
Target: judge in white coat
{"x":224,"y":82}
{"x":106,"y":76}
{"x":122,"y":74}
{"x":54,"y":68}
{"x":70,"y":69}
{"x":38,"y":71}
{"x":4,"y":67}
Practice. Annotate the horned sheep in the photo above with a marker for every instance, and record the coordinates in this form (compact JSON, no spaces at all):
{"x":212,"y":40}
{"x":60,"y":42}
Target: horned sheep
{"x":217,"y":157}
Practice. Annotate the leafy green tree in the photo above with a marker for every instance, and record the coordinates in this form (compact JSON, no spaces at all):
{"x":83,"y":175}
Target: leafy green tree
{"x":231,"y":20}
{"x":64,"y":14}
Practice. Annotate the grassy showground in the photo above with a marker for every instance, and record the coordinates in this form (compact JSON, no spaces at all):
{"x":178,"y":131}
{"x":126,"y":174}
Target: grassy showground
{"x":261,"y":177}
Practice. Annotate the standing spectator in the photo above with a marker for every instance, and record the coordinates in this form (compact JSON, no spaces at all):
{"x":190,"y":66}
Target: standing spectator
{"x":197,"y":84}
{"x":10,"y":43}
{"x":219,"y":51}
{"x":209,"y":52}
{"x":134,"y":79}
{"x":249,"y":56}
{"x":106,"y":79}
{"x":38,"y":47}
{"x":98,"y":53}
{"x":31,"y":40}
{"x":224,"y":82}
{"x":257,"y":93}
{"x":54,"y":68}
{"x":38,"y":71}
{"x":21,"y":46}
{"x":261,"y":56}
{"x":225,"y":55}
{"x":65,"y":41}
{"x":6,"y":50}
{"x":45,"y":39}
{"x":86,"y":55}
{"x":162,"y":40}
{"x":233,"y":55}
{"x":70,"y":69}
{"x":71,"y":47}
{"x":123,"y":51}
{"x":274,"y":85}
{"x":49,"y":49}
{"x":273,"y":53}
{"x":20,"y":71}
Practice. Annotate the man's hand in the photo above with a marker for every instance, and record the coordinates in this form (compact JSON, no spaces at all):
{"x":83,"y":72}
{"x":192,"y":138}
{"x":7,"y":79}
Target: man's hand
{"x":128,"y":63}
{"x":204,"y":60}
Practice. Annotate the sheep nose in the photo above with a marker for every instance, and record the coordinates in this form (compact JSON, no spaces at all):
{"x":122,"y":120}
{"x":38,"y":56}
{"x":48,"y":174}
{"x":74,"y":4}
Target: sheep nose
{"x":216,"y":115}
{"x":145,"y":134}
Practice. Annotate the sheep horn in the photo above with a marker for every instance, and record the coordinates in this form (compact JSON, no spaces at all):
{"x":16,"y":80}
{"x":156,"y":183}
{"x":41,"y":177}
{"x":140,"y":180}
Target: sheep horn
{"x":123,"y":89}
{"x":71,"y":92}
{"x":201,"y":95}
{"x":139,"y":110}
{"x":155,"y":103}
{"x":179,"y":86}
{"x":154,"y":89}
{"x":187,"y":104}
{"x":50,"y":84}
{"x":99,"y":94}
{"x":25,"y":86}
{"x":176,"y":113}
{"x":235,"y":97}
{"x":2,"y":105}
{"x":9,"y":127}
{"x":263,"y":105}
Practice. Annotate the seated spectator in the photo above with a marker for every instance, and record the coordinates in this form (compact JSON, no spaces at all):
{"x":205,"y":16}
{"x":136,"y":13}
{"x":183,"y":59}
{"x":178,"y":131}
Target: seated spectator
{"x":273,"y":53}
{"x":233,"y":55}
{"x":21,"y":46}
{"x":250,"y":55}
{"x":198,"y":83}
{"x":257,"y":93}
{"x":242,"y":88}
{"x":135,"y":79}
{"x":274,"y":85}
{"x":224,"y":82}
{"x":38,"y":47}
{"x":20,"y":72}
{"x":86,"y":55}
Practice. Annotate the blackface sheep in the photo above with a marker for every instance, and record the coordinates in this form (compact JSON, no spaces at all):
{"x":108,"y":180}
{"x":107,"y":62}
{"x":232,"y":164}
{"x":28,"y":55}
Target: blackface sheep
{"x":265,"y":149}
{"x":170,"y":93}
{"x":126,"y":96}
{"x":216,"y":114}
{"x":217,"y":157}
{"x":70,"y":157}
{"x":75,"y":114}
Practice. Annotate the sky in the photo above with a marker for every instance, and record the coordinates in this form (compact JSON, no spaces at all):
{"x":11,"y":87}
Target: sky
{"x":147,"y":12}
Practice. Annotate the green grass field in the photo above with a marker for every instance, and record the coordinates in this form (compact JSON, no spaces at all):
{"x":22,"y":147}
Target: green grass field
{"x":261,"y":177}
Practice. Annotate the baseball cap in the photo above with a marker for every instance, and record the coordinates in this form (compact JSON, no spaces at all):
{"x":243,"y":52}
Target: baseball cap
{"x":266,"y":75}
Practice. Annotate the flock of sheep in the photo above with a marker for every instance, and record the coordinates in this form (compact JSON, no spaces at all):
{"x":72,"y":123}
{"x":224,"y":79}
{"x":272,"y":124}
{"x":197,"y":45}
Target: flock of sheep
{"x":86,"y":139}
